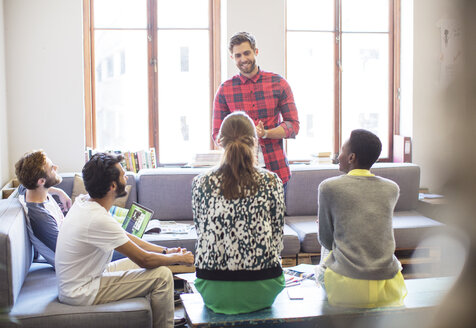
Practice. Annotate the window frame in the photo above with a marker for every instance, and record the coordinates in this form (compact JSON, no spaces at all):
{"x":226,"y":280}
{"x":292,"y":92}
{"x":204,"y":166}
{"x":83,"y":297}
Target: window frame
{"x":152,"y":55}
{"x":394,"y":75}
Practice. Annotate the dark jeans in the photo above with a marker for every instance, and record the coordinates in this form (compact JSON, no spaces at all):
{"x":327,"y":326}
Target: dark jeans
{"x":117,"y":256}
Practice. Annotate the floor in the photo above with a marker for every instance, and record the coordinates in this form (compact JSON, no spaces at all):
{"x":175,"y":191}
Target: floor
{"x":179,"y":311}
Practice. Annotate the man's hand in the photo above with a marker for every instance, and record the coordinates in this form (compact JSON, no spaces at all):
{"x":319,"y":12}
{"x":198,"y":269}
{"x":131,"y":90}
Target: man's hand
{"x":63,"y":197}
{"x":260,"y":131}
{"x":182,"y":258}
{"x":176,"y":250}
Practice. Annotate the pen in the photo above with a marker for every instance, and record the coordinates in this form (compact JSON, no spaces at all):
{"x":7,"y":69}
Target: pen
{"x":293,"y":284}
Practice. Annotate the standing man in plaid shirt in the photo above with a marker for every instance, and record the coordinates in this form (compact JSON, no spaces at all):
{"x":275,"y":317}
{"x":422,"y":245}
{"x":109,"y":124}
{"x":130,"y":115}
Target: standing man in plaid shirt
{"x":266,"y":97}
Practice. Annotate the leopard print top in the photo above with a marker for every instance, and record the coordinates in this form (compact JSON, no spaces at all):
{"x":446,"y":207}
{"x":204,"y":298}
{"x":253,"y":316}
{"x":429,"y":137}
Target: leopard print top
{"x":244,"y":234}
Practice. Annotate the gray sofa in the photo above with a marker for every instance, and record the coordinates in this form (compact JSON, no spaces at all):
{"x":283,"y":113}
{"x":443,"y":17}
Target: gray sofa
{"x":410,"y":227}
{"x":162,"y":189}
{"x":29,"y":289}
{"x":30,"y":293}
{"x":168,"y":192}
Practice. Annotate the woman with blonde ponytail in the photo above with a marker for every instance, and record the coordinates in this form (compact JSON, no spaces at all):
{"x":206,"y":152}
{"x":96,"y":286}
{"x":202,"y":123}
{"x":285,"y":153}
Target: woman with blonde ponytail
{"x":238,"y":211}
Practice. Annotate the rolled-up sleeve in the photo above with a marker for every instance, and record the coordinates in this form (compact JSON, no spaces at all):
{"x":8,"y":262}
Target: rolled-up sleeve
{"x":288,"y":110}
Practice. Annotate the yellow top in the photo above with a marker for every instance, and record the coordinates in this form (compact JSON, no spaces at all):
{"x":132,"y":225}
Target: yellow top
{"x":361,"y":173}
{"x":358,"y":293}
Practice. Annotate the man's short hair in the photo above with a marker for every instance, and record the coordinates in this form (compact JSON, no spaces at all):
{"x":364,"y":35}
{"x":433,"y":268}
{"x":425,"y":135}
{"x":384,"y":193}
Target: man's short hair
{"x":30,"y":168}
{"x":99,"y":173}
{"x":366,"y":146}
{"x":241,"y":37}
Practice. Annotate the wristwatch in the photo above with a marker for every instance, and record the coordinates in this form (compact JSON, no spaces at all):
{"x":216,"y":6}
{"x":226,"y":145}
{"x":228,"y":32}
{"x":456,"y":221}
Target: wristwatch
{"x":164,"y":251}
{"x":265,"y":135}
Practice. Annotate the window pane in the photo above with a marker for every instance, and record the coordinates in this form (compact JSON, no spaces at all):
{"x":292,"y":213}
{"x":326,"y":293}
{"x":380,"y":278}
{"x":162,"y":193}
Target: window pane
{"x":365,"y":15}
{"x":310,"y":72}
{"x":121,"y":90}
{"x":120,"y":13}
{"x":310,"y":15}
{"x":184,"y":94}
{"x":182,"y":13}
{"x":365,"y":85}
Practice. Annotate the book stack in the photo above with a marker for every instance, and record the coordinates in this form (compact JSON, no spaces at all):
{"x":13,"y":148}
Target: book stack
{"x":88,"y":153}
{"x":142,"y":159}
{"x":133,"y":161}
{"x":322,"y":158}
{"x":208,"y":159}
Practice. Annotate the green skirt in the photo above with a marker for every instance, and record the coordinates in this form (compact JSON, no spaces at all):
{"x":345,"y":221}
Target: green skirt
{"x":234,"y":297}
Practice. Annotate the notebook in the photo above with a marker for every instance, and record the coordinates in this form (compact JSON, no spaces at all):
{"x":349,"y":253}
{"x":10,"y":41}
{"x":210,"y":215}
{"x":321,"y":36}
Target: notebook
{"x":137,"y":219}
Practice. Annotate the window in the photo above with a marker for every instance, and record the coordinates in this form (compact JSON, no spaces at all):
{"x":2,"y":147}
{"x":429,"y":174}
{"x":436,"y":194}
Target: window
{"x":150,"y":73}
{"x":341,"y":62}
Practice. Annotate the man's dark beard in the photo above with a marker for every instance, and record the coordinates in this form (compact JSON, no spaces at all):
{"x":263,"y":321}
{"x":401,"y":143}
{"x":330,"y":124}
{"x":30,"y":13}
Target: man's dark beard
{"x":121,"y":190}
{"x":52,"y":181}
{"x":252,"y":67}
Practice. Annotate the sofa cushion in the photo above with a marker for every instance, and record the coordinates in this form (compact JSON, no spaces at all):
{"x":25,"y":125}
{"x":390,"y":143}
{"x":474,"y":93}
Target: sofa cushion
{"x":306,"y":230}
{"x":301,"y":197}
{"x":407,"y":176}
{"x":38,"y":306}
{"x":67,"y":183}
{"x":410,"y":230}
{"x":301,"y":194}
{"x":167,"y":191}
{"x":291,"y":244}
{"x":15,"y":251}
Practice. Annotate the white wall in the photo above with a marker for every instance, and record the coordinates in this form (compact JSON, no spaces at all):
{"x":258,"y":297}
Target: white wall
{"x":265,"y":20}
{"x":430,"y":126}
{"x":44,"y":56}
{"x":5,"y":170}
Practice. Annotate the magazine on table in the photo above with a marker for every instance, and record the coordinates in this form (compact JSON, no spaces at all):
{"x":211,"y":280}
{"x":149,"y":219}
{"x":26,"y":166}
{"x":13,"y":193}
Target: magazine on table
{"x":174,"y":227}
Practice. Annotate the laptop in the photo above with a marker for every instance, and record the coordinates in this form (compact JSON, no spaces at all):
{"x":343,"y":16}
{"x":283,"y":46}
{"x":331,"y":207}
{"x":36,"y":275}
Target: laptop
{"x":137,"y":219}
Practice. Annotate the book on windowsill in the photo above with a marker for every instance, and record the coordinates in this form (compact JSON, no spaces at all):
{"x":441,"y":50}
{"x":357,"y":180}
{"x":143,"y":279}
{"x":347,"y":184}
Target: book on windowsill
{"x":322,"y":158}
{"x":208,"y":159}
{"x":132,"y":161}
{"x":429,"y":196}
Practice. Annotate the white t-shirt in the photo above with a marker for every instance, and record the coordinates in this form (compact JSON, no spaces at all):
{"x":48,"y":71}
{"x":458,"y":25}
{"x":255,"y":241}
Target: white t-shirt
{"x":86,"y":241}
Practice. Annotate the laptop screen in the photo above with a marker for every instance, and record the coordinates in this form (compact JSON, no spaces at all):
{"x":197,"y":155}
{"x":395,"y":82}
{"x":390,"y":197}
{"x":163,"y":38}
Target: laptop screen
{"x":137,"y":219}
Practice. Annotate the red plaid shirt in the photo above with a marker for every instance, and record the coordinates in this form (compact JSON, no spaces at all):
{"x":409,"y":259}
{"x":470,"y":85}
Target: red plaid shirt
{"x":266,"y":97}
